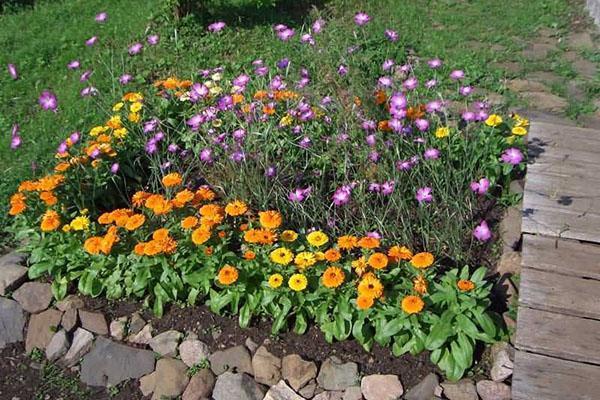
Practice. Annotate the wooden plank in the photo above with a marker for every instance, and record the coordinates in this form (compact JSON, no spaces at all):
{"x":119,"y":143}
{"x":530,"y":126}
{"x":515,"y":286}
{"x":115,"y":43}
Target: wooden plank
{"x":564,"y":294}
{"x":538,"y":377}
{"x":567,"y":257}
{"x":546,"y":221}
{"x":553,"y":137}
{"x":558,"y":335}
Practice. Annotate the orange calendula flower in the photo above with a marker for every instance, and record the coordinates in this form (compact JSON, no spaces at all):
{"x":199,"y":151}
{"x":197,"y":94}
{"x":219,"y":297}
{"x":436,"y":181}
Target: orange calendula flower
{"x":364,"y":302}
{"x":380,"y":97}
{"x":236,"y":208}
{"x":397,"y":253}
{"x":249,"y":255}
{"x":200,"y":236}
{"x":370,"y":286}
{"x":378,"y":260}
{"x":92,"y":245}
{"x":204,"y":193}
{"x":333,"y":255}
{"x":333,"y":277}
{"x":153,"y":248}
{"x":189,"y":222}
{"x":160,"y":234}
{"x":420,"y":285}
{"x":17,"y":204}
{"x":465,"y":285}
{"x":422,"y":260}
{"x":208,"y":251}
{"x":211,"y":214}
{"x":412,"y":304}
{"x":135,"y":221}
{"x":172,"y":179}
{"x":270,"y":219}
{"x":360,"y":265}
{"x":139,"y":198}
{"x":139,"y":249}
{"x":182,"y":198}
{"x":347,"y":242}
{"x":228,"y":275}
{"x":368,"y":242}
{"x":50,"y":221}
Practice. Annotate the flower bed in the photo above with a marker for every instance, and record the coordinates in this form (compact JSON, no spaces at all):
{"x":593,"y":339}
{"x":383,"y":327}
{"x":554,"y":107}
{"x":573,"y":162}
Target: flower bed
{"x":339,"y":201}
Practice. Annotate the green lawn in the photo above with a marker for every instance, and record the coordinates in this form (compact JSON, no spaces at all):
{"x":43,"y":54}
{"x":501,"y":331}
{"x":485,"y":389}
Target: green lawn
{"x":42,"y":40}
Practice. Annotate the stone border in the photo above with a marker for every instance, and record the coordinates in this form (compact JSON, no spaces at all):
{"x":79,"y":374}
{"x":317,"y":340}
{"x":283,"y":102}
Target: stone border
{"x":178,"y":364}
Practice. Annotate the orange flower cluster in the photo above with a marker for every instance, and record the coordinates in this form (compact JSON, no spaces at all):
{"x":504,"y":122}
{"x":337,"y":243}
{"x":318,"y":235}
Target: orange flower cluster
{"x":162,"y":243}
{"x":102,"y":244}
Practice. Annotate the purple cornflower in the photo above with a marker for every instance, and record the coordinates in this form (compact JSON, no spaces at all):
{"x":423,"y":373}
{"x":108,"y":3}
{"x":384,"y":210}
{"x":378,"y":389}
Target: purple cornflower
{"x":86,"y":75}
{"x":153,"y":40}
{"x":373,"y":156}
{"x":271,"y":171}
{"x":434,"y":106}
{"x":285,"y":34}
{"x":395,"y":124}
{"x":75,"y":64}
{"x":114,"y":168}
{"x":198,"y":91}
{"x":88,"y":91}
{"x":457,"y":75}
{"x":482,"y":232}
{"x":481,"y":187}
{"x":431,"y":154}
{"x":298,"y":195}
{"x":385,"y":81}
{"x":318,"y":25}
{"x":374,"y":235}
{"x":283,"y":63}
{"x":512,"y":156}
{"x":15,"y":138}
{"x":411,"y":83}
{"x":95,"y":153}
{"x":374,"y":187}
{"x":307,"y":39}
{"x":91,"y":41}
{"x":172,"y":148}
{"x":151,"y":146}
{"x":468,"y":116}
{"x":361,"y":19}
{"x":369,"y":125}
{"x":241,"y":80}
{"x":305,"y":142}
{"x":217,"y":26}
{"x":430,"y":83}
{"x":48,"y":101}
{"x":403,"y":165}
{"x":422,"y":124}
{"x":371,"y":140}
{"x":398,"y":101}
{"x":434,"y":63}
{"x":391,"y":35}
{"x":125,"y":79}
{"x":74,"y":137}
{"x":387,"y":64}
{"x":342,"y":195}
{"x":465,"y":90}
{"x":12,"y":70}
{"x":342,"y":70}
{"x":261,"y":71}
{"x":135,"y":48}
{"x":387,"y":188}
{"x":101,"y":17}
{"x":424,"y":195}
{"x":206,"y":155}
{"x":150,"y":126}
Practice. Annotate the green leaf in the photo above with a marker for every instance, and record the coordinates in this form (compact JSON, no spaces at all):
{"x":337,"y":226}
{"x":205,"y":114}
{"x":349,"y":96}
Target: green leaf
{"x":245,"y":314}
{"x":487,"y":324}
{"x":438,"y":335}
{"x":38,"y":269}
{"x":301,"y":324}
{"x":59,"y":288}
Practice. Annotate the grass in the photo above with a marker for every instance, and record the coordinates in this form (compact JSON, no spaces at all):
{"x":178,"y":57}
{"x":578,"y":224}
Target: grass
{"x":42,"y":39}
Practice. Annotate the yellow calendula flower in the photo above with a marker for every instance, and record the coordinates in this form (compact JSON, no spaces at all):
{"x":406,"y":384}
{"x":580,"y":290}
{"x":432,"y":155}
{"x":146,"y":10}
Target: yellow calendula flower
{"x":520,"y":121}
{"x":286,"y":120}
{"x":298,"y":282}
{"x":281,"y":256}
{"x":134,"y":117}
{"x":317,"y":238}
{"x":97,"y":130}
{"x":114,"y":122}
{"x":80,"y":223}
{"x":118,"y":106}
{"x":493,"y":120}
{"x":216,"y":90}
{"x":305,"y":259}
{"x":511,"y":139}
{"x":442,"y":132}
{"x":66,"y":228}
{"x":135,"y":107}
{"x":519,"y":131}
{"x":120,"y":133}
{"x":288,"y":236}
{"x":275,"y":281}
{"x":319,"y":256}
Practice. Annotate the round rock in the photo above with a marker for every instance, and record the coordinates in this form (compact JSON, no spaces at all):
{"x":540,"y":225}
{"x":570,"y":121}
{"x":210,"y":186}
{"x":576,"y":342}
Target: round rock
{"x":34,"y":296}
{"x":231,"y":386}
{"x":381,"y":387}
{"x":336,"y":375}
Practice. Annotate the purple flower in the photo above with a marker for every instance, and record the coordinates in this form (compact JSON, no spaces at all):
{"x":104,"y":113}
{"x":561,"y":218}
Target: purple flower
{"x":91,"y":41}
{"x":308,"y":39}
{"x":62,"y":148}
{"x":422,"y":124}
{"x":411,"y":83}
{"x":86,"y":75}
{"x":373,"y":156}
{"x":74,"y":137}
{"x":424,"y":195}
{"x":457,"y":74}
{"x":206,"y":155}
{"x":217,"y":26}
{"x":482,"y":232}
{"x":434,"y":63}
{"x":342,"y":70}
{"x":387,"y":64}
{"x":261,"y":71}
{"x":398,"y":101}
{"x":318,"y":25}
{"x":241,"y":80}
{"x":403,"y":165}
{"x":271,"y":171}
{"x":298,"y":195}
{"x":374,"y":187}
{"x":431,"y":154}
{"x":385,"y":81}
{"x":468,"y":116}
{"x":305,"y":142}
{"x":101,"y":17}
{"x":512,"y":156}
{"x":153,"y":40}
{"x":481,"y":187}
{"x":151,"y":146}
{"x":48,"y":101}
{"x":371,"y":140}
{"x":135,"y":48}
{"x":387,"y":188}
{"x":361,"y":19}
{"x":465,"y":90}
{"x":95,"y":153}
{"x":373,"y":234}
{"x":434,"y":106}
{"x":12,"y":70}
{"x":430,"y":83}
{"x":172,"y":148}
{"x":150,"y":126}
{"x":391,"y":35}
{"x":74,"y":64}
{"x":125,"y":79}
{"x":88,"y":91}
{"x":114,"y":168}
{"x":15,"y":138}
{"x":342,"y":195}
{"x":285,"y":34}
{"x":283,"y":63}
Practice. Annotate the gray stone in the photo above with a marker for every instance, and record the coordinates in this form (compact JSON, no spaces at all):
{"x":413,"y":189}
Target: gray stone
{"x":136,"y":324}
{"x":335,"y":375}
{"x":169,"y":380}
{"x":297,"y":372}
{"x":544,"y":77}
{"x":251,"y":345}
{"x":109,"y":363}
{"x":11,"y":273}
{"x":166,"y":343}
{"x":381,"y":387}
{"x":266,"y":367}
{"x":510,"y":228}
{"x":585,"y":68}
{"x":71,"y":302}
{"x":353,"y":393}
{"x":142,"y":337}
{"x":461,"y":390}
{"x":34,"y":296}
{"x":12,"y":258}
{"x":69,"y":320}
{"x":510,"y":263}
{"x":41,"y":328}
{"x":489,"y":390}
{"x":281,"y":391}
{"x":231,"y":386}
{"x":82,"y":343}
{"x":235,"y":359}
{"x":545,"y":101}
{"x":58,"y":346}
{"x":502,"y":355}
{"x":330,"y":395}
{"x":12,"y":322}
{"x":576,"y":90}
{"x":517,"y":186}
{"x":424,"y":390}
{"x":118,"y":328}
{"x":201,"y":386}
{"x":193,"y":351}
{"x":580,"y":40}
{"x":308,"y":391}
{"x":523,"y":85}
{"x":93,"y":322}
{"x":538,"y":51}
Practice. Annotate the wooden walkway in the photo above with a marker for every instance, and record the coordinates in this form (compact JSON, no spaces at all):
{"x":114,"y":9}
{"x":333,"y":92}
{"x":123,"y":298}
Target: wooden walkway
{"x":558,"y":326}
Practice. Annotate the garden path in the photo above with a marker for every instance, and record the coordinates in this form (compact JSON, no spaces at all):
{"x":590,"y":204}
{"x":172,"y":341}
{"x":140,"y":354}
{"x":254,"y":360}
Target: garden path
{"x":558,"y":334}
